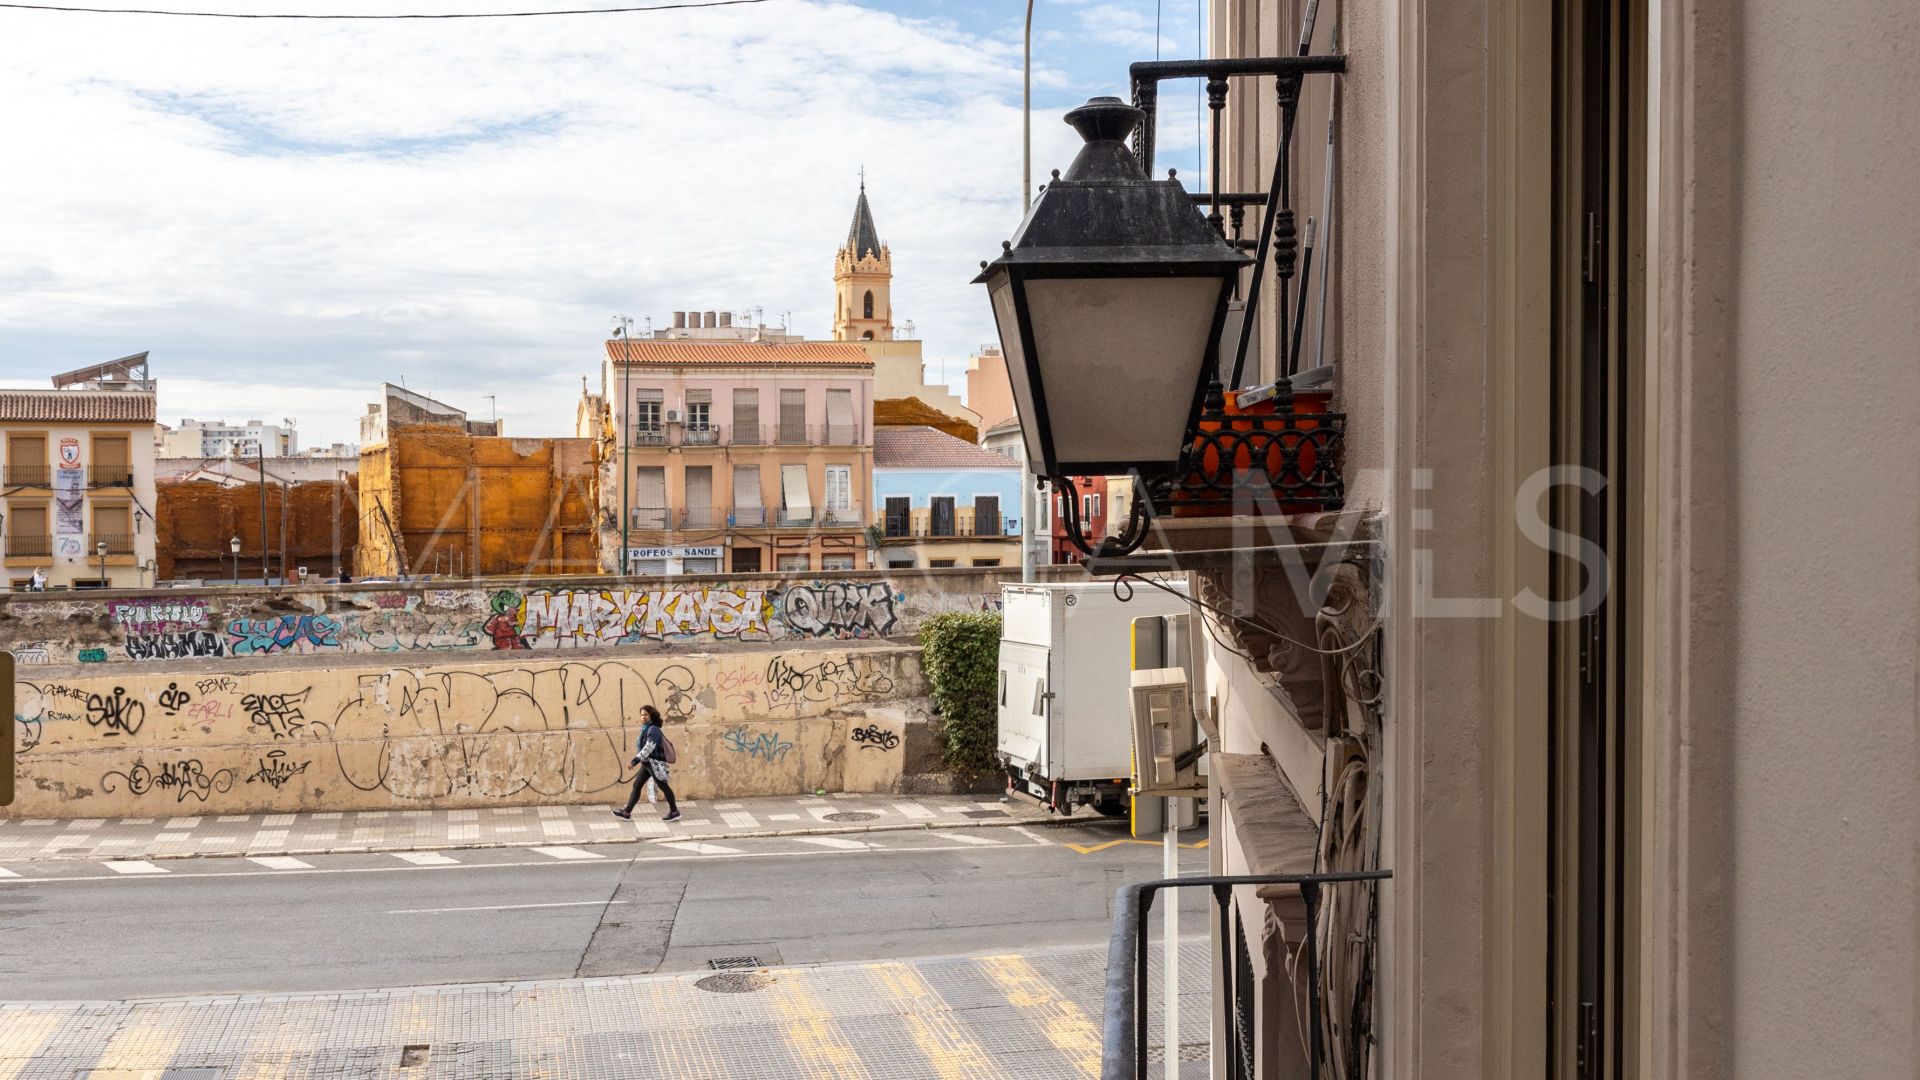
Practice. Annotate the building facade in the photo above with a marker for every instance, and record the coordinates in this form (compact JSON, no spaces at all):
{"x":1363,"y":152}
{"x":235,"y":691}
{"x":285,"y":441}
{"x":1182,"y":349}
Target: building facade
{"x":217,"y":438}
{"x":1090,"y":494}
{"x":942,"y":502}
{"x":736,"y":456}
{"x":1613,"y":288}
{"x":79,"y":496}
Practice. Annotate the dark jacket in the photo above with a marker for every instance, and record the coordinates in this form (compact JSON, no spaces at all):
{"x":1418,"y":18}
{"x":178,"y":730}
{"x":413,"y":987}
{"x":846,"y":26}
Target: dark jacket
{"x":647,"y":746}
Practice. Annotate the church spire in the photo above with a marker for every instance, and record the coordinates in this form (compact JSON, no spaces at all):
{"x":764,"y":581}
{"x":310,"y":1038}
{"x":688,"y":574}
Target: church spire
{"x":862,"y":279}
{"x":863,"y":239}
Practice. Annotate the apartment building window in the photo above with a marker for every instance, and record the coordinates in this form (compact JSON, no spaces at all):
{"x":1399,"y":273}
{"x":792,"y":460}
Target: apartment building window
{"x":647,"y":406}
{"x":650,"y":497}
{"x":746,"y":560}
{"x":793,"y":416}
{"x":748,"y":510}
{"x":840,"y":491}
{"x":941,"y":515}
{"x":840,"y":426}
{"x":986,"y":562}
{"x":836,"y":562}
{"x":986,"y":515}
{"x":796,"y":503}
{"x":746,"y":418}
{"x":27,"y":461}
{"x":112,"y":466}
{"x":940,"y":564}
{"x":112,"y":526}
{"x":27,"y":534}
{"x":699,"y":509}
{"x":795,"y":563}
{"x":700,"y":416}
{"x":1089,"y":507}
{"x":899,"y":515}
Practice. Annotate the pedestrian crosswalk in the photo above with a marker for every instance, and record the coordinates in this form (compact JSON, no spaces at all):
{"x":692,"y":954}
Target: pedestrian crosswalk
{"x":589,"y":851}
{"x":335,"y":831}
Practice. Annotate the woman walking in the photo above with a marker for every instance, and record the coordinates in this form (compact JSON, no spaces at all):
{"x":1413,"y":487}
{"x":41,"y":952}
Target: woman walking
{"x":653,"y":753}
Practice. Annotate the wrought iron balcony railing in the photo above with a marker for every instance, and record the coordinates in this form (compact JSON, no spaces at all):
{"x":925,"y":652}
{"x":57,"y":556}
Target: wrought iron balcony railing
{"x":110,"y":475}
{"x":30,"y":547}
{"x":116,"y":543}
{"x":24,"y":474}
{"x":1124,"y":1054}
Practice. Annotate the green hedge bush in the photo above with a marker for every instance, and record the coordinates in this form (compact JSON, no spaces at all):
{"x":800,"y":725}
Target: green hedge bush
{"x":961,"y":654}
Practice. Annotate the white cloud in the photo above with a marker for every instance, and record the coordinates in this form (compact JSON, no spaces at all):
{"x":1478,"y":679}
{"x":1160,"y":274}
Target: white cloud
{"x":289,"y":213}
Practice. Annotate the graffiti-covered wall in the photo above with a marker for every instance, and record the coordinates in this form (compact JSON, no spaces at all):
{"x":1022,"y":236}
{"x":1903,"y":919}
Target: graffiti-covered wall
{"x":170,"y":625}
{"x":485,"y":731}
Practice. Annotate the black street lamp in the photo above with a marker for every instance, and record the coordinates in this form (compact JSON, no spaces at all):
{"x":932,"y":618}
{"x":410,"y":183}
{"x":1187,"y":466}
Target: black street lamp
{"x":1110,"y":301}
{"x":233,"y":545}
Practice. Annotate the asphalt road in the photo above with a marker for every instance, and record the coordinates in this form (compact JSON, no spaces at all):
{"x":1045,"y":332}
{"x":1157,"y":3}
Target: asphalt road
{"x":328,"y":923}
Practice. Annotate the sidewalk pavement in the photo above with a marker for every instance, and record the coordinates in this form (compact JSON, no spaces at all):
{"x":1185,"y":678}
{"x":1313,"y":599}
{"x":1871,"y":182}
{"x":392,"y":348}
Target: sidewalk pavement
{"x":1034,"y":1015}
{"x":39,"y":839}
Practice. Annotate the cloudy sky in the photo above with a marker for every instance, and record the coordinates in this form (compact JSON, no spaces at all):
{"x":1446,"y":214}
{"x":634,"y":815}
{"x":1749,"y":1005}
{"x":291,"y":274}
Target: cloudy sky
{"x":287,"y":213}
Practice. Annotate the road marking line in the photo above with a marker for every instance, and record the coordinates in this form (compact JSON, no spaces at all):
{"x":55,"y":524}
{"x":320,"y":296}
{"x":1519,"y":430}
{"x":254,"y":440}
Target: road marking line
{"x":424,"y":858}
{"x":505,"y":907}
{"x":699,"y":848}
{"x":930,"y":1021}
{"x":21,"y":1036}
{"x":281,"y":862}
{"x":818,"y":1046}
{"x":1066,"y":1026}
{"x":569,"y":853}
{"x":834,"y":842}
{"x":969,"y":838}
{"x":133,"y":866}
{"x":1089,"y":849}
{"x":4,"y":872}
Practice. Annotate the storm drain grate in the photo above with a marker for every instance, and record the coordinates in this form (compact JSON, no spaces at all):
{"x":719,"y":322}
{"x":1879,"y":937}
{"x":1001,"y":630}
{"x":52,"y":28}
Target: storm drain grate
{"x":984,"y":813}
{"x":733,"y":963}
{"x":852,"y":815}
{"x":735,"y":982}
{"x":414,"y":1055}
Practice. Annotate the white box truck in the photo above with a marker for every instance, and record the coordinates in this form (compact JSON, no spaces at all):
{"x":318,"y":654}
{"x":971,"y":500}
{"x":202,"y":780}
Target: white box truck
{"x":1065,"y":677}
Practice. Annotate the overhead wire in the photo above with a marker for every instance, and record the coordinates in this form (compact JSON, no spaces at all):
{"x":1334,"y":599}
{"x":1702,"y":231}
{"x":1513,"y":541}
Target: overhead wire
{"x":681,"y":5}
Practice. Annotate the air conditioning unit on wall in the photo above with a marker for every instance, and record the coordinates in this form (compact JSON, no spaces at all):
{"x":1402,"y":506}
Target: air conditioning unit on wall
{"x":673,"y":416}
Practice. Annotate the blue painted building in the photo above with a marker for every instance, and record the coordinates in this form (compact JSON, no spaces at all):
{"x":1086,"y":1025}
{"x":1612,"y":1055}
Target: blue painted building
{"x":941,"y":501}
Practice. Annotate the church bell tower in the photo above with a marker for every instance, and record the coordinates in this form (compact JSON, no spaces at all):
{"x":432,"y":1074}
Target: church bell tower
{"x":863,"y":280}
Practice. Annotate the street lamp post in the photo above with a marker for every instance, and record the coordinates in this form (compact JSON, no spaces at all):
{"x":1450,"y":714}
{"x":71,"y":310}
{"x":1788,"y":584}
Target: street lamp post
{"x":1110,"y":300}
{"x":233,"y":545}
{"x":624,"y":331}
{"x":100,"y":550}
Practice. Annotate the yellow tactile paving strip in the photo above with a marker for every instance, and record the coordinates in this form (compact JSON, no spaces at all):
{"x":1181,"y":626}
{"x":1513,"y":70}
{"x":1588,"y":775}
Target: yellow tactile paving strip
{"x":951,"y":1018}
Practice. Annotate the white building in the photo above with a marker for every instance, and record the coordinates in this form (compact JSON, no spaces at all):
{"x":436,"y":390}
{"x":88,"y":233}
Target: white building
{"x":218,"y":438}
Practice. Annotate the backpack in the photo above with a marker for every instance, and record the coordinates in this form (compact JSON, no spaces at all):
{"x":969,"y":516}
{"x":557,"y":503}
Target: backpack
{"x":667,"y":753}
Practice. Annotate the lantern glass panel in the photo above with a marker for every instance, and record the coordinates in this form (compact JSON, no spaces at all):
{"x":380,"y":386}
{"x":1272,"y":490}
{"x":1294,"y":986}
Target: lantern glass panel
{"x":1121,"y":359}
{"x":1001,"y":292}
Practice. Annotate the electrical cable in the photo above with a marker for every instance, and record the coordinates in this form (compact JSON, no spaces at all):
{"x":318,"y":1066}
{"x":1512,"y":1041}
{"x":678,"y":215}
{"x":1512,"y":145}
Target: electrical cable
{"x":1127,"y":578}
{"x":682,"y":5}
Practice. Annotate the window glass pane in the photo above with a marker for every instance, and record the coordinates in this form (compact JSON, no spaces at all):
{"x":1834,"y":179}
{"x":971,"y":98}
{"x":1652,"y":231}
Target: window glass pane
{"x":746,"y":485}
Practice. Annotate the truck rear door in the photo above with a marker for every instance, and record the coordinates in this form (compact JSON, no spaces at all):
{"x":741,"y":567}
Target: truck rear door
{"x":1023,"y":705}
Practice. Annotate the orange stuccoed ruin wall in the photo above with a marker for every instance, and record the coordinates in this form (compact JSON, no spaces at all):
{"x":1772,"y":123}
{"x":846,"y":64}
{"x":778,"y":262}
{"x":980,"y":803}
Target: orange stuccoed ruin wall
{"x":461,"y":504}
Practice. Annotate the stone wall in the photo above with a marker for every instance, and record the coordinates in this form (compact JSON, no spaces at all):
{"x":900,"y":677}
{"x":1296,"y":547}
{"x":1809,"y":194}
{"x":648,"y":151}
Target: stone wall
{"x":480,"y":616}
{"x":485,"y":730}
